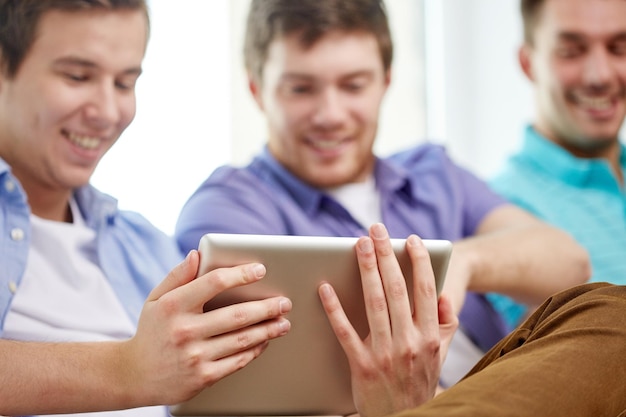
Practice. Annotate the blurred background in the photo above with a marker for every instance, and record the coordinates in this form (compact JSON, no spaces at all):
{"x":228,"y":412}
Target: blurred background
{"x":455,"y":81}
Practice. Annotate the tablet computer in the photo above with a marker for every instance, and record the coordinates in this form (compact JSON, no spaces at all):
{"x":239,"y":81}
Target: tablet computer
{"x":306,"y":371}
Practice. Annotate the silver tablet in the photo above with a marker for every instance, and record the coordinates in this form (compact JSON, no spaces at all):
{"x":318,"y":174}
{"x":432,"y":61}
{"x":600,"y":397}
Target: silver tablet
{"x":304,"y":372}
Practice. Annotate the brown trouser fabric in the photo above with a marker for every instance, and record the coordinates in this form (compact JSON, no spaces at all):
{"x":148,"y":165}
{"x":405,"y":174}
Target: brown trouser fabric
{"x":567,"y":359}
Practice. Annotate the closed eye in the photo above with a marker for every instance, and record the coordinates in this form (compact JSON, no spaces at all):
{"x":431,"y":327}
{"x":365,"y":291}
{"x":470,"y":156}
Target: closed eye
{"x":76,"y":77}
{"x":354,"y":87}
{"x":126,"y":83}
{"x":570,"y":51}
{"x":301,"y":89}
{"x":618,"y":48}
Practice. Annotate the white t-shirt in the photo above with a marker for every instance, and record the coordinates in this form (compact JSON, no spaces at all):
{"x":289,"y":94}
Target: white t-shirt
{"x":64,"y":295}
{"x":361,"y":199}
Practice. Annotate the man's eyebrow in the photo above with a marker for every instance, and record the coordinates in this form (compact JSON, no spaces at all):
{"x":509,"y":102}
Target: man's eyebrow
{"x":85,"y":63}
{"x":619,"y":37}
{"x":578,"y":37}
{"x":74,"y":61}
{"x":296,"y":76}
{"x":571,"y":36}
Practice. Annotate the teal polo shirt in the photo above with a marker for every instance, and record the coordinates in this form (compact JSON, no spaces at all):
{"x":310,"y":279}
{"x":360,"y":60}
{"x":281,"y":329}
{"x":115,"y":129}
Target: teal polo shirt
{"x":581,"y":196}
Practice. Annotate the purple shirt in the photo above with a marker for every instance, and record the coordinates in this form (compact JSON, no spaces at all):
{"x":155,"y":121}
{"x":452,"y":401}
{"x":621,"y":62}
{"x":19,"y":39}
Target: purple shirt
{"x":421,"y":190}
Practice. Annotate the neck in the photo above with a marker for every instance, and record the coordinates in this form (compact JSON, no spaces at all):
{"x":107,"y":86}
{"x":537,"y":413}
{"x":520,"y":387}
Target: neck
{"x":610,"y":150}
{"x":48,"y":204}
{"x":611,"y":153}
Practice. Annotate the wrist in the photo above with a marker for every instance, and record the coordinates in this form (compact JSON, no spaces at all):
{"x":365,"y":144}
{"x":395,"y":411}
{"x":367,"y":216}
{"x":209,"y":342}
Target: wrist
{"x":129,"y":385}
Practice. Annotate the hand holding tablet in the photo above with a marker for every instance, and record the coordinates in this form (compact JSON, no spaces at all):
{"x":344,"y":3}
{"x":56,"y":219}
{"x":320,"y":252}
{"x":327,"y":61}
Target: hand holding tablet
{"x":305,"y":372}
{"x":397,"y":365}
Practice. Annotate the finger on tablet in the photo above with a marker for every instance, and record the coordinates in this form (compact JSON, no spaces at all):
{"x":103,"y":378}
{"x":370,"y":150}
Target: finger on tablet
{"x":394,"y":282}
{"x":424,"y":288}
{"x":207,"y":286}
{"x":241,"y":315}
{"x":344,"y":331}
{"x":373,"y":291}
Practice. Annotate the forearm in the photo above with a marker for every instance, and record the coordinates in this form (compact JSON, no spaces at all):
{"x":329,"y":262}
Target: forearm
{"x":41,"y":378}
{"x":528,"y":262}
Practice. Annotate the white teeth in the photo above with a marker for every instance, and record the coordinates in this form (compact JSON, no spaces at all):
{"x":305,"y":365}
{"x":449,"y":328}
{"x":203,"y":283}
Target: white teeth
{"x":326,"y":144}
{"x":86,"y":142}
{"x":596,"y":103}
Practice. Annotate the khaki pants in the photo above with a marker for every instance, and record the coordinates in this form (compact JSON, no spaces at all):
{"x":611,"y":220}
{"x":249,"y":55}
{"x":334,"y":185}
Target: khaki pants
{"x":567,"y":359}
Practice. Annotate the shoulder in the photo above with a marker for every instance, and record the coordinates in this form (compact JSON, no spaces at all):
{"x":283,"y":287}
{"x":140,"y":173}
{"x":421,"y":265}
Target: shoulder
{"x":432,"y":161}
{"x":125,"y":229}
{"x":518,"y":175}
{"x":422,"y":153}
{"x":249,"y":177}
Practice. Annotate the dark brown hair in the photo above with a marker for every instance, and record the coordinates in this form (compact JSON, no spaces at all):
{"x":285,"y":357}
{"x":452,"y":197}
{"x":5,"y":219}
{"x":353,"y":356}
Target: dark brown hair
{"x":531,"y":11}
{"x":19,"y":20}
{"x":311,"y":19}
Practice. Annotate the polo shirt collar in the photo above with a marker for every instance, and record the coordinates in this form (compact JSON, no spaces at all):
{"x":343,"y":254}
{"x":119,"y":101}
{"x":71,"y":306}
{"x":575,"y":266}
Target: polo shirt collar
{"x":560,"y":163}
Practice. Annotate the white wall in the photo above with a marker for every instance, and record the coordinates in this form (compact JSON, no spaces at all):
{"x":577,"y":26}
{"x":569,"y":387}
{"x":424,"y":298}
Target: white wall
{"x":182,"y":129}
{"x":484,"y":100}
{"x":195,"y":113}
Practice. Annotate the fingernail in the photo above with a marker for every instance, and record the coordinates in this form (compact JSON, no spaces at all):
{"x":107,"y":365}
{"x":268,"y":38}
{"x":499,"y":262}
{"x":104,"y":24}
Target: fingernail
{"x":259,"y":270}
{"x":414,"y":240}
{"x":325,"y":289}
{"x":379,"y":231}
{"x":284,"y":305}
{"x":365,"y":245}
{"x":283,"y":326}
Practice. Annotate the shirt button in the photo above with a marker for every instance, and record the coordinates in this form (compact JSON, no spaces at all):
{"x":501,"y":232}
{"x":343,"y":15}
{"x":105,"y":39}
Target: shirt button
{"x":12,"y":287}
{"x":9,"y":185}
{"x":17,"y":234}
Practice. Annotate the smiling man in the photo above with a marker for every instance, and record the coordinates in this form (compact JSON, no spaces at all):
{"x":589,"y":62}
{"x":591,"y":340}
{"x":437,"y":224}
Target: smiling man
{"x":75,"y":271}
{"x":319,"y":71}
{"x":570,"y":169}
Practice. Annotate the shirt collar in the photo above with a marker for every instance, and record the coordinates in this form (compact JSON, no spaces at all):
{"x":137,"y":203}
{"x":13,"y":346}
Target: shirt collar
{"x":95,"y":206}
{"x":4,"y":167}
{"x":560,"y":163}
{"x":307,"y":197}
{"x":388,"y":178}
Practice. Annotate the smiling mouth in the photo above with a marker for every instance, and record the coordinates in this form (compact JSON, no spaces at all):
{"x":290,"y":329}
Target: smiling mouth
{"x":594,"y":103}
{"x":82,"y":141}
{"x":326,"y":144}
{"x":597,"y":103}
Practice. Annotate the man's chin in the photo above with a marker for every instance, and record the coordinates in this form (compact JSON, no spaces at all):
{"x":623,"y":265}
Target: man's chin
{"x":596,"y":143}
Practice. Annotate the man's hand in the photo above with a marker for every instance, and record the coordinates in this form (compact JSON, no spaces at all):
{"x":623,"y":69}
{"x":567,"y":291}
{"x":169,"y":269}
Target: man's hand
{"x":178,"y":349}
{"x":397,"y":366}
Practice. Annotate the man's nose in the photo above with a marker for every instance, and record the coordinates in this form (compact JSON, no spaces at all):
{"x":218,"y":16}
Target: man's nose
{"x":104,"y":108}
{"x":599,"y":67}
{"x":330,"y":108}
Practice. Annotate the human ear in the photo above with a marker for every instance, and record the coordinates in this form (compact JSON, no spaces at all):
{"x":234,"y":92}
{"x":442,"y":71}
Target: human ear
{"x":387,"y":78}
{"x":254,"y":86}
{"x":524,"y":56}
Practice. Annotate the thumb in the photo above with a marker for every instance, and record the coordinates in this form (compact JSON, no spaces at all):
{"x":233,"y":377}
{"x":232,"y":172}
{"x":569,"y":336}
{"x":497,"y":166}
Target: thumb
{"x":182,"y":274}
